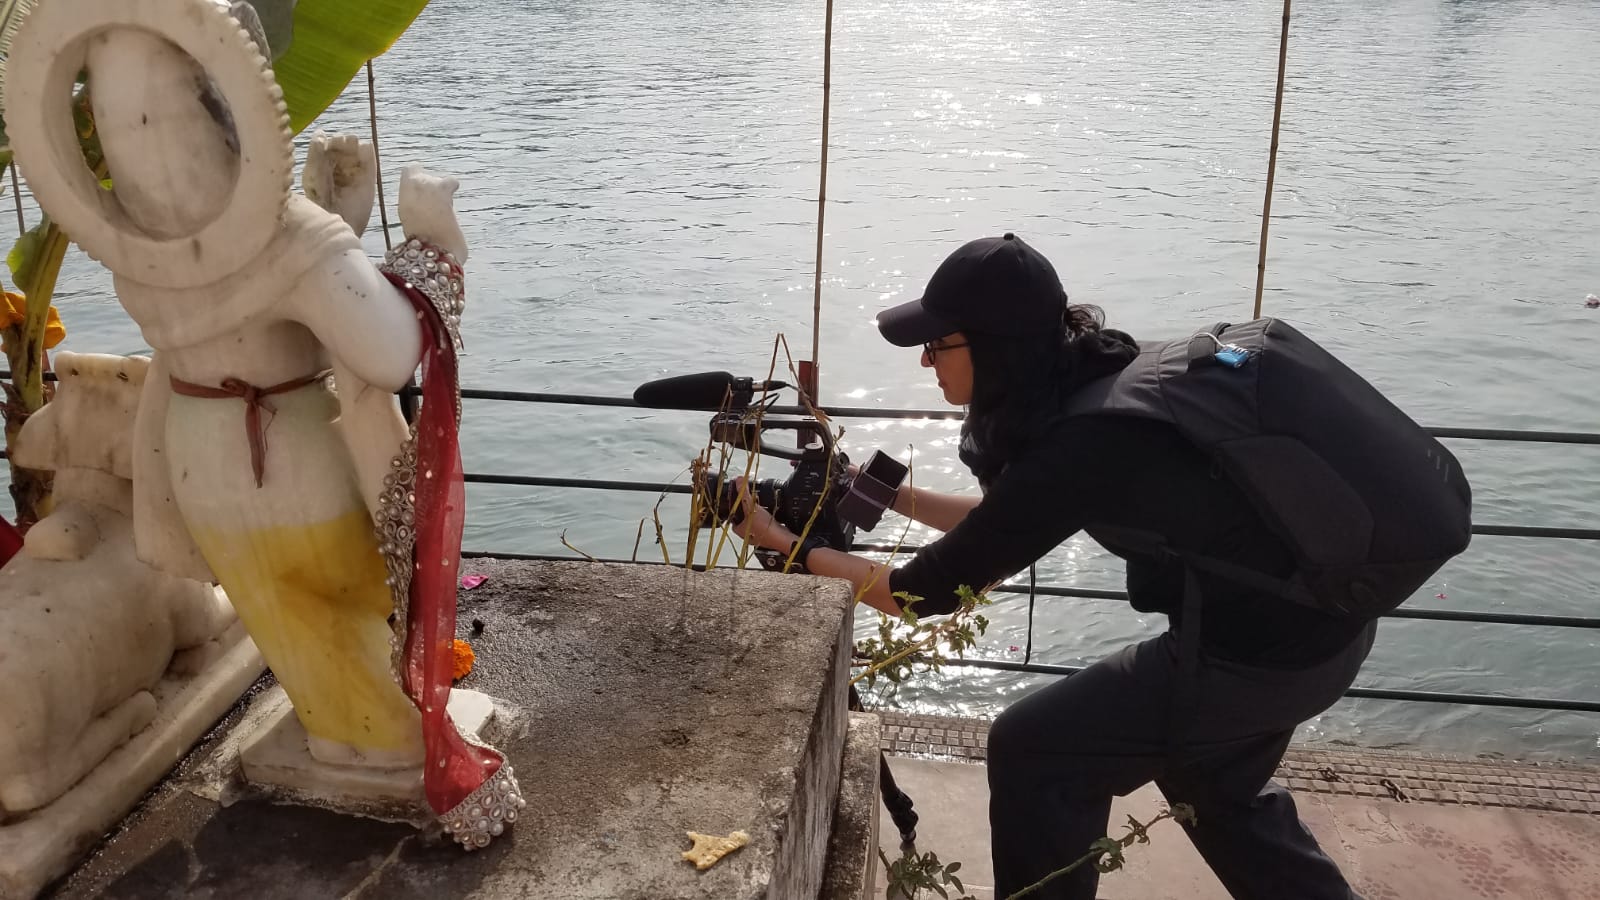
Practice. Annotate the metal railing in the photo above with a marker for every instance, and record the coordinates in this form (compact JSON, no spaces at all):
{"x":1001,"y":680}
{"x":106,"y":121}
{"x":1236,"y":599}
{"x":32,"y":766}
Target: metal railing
{"x":1438,"y":615}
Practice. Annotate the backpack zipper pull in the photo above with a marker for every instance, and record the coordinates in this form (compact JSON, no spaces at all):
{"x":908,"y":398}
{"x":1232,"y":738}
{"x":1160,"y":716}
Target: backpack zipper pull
{"x":1231,"y":355}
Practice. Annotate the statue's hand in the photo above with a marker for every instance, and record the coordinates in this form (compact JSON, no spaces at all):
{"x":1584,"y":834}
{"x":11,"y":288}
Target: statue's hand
{"x":427,"y":210}
{"x":340,"y":177}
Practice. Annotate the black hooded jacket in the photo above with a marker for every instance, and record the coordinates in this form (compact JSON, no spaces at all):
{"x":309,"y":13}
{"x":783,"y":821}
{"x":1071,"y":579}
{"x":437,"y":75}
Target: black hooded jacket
{"x":1099,"y":474}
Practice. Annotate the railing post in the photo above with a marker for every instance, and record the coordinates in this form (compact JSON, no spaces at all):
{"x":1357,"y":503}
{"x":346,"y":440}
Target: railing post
{"x":808,"y":380}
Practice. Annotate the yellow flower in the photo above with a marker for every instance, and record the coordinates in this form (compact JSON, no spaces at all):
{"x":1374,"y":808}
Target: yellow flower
{"x":16,"y":312}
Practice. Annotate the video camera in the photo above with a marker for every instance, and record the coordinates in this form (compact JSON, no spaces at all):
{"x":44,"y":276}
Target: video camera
{"x":821,"y":476}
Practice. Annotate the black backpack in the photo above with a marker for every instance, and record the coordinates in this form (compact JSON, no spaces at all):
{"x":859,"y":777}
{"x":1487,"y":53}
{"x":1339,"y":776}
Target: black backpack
{"x":1368,"y":502}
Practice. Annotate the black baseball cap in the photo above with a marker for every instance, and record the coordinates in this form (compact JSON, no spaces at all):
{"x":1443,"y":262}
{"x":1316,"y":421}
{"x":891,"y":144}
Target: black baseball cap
{"x":994,"y":285}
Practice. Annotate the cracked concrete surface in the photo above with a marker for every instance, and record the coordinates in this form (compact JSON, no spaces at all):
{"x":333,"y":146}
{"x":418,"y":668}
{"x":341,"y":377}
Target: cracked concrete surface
{"x":638,"y":703}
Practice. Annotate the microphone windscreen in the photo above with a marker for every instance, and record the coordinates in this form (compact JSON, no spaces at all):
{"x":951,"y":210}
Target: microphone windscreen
{"x":702,"y":390}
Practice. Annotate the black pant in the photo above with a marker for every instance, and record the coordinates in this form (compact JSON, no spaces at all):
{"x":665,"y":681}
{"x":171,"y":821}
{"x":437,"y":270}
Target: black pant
{"x":1057,"y":756}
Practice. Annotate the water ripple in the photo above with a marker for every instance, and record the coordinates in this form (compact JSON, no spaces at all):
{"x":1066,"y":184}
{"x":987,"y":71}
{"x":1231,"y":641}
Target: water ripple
{"x":639,"y":183}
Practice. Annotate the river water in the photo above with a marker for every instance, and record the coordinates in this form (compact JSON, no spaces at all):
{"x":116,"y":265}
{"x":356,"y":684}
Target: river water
{"x":639,"y":183}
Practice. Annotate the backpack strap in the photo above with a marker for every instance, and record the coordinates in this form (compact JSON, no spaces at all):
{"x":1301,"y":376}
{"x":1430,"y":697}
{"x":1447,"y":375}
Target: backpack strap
{"x":1185,"y":691}
{"x":1278,"y":587}
{"x":1206,"y":343}
{"x":1186,"y":687}
{"x":1153,"y":544}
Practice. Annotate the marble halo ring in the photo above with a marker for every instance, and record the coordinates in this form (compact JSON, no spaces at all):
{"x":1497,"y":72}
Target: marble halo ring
{"x":50,"y":49}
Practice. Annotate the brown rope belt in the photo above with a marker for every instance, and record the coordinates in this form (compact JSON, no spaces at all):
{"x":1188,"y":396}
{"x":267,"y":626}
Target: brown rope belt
{"x":255,"y":400}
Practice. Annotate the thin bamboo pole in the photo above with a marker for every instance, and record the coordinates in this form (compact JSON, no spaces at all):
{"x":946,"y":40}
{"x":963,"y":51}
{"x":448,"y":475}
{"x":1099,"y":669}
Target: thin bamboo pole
{"x":1272,"y":157}
{"x":822,"y":199}
{"x":16,"y":195}
{"x":377,"y":167}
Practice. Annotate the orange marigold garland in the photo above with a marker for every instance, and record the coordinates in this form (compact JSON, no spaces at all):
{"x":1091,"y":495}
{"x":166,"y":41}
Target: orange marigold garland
{"x":463,"y":658}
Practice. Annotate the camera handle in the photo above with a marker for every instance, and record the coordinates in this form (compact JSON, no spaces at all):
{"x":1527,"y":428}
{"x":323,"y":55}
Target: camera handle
{"x":743,"y":433}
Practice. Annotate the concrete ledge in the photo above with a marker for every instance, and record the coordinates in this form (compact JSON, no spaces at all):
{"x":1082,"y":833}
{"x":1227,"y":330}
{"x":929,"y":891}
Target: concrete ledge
{"x":639,"y":703}
{"x":853,"y":850}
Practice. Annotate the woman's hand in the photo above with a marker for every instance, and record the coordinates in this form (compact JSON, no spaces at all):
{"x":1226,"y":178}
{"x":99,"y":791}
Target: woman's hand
{"x":757,"y":526}
{"x":871,"y":581}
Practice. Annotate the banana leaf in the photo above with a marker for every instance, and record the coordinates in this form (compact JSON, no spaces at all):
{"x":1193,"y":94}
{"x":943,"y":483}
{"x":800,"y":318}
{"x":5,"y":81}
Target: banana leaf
{"x":35,"y":263}
{"x":25,"y":256}
{"x":329,"y":42}
{"x":333,"y":39}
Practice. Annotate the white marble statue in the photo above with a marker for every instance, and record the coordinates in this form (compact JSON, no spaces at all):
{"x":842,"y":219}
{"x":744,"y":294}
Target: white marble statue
{"x":249,"y":468}
{"x":86,"y":629}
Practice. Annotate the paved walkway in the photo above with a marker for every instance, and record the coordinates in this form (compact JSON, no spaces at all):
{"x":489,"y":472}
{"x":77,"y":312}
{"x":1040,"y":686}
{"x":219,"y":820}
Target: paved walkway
{"x":1401,"y":826}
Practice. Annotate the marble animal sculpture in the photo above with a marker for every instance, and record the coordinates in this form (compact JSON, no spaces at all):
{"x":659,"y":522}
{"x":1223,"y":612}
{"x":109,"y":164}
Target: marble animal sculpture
{"x":334,"y":529}
{"x":86,"y":629}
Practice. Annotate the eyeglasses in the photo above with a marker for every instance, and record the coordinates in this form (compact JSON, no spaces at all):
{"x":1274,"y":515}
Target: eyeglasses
{"x":932,"y":350}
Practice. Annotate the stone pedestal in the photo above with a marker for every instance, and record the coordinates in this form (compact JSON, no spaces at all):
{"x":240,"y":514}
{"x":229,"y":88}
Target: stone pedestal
{"x":275,"y":762}
{"x":637,"y":703}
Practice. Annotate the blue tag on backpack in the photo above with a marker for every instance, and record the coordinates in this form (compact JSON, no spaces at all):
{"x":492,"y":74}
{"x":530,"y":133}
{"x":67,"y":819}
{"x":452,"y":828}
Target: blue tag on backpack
{"x":1232,"y":356}
{"x":1206,"y":343}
